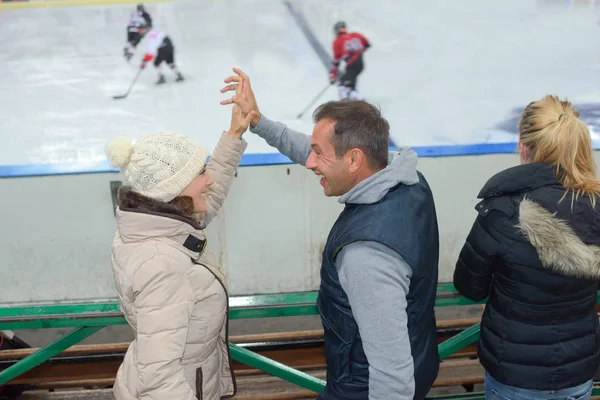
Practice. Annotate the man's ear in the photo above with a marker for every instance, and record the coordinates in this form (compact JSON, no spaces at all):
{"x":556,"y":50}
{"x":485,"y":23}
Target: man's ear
{"x":356,"y":158}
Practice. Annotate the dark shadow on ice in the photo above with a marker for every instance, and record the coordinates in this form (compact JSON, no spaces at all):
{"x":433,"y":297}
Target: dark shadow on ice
{"x":589,"y":113}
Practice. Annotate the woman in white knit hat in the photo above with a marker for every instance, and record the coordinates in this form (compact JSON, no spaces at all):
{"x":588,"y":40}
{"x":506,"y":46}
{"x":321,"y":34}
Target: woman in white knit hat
{"x":169,"y":284}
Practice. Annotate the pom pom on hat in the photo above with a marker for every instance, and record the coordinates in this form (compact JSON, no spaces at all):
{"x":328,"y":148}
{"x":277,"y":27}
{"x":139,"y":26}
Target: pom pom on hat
{"x":119,"y":151}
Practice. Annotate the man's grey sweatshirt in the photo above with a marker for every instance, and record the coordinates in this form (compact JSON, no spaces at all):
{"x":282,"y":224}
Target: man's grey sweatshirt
{"x":375,"y":278}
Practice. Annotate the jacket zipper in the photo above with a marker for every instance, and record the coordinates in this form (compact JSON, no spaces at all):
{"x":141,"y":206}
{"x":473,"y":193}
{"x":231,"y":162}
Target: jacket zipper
{"x":199,"y":383}
{"x":227,"y":396}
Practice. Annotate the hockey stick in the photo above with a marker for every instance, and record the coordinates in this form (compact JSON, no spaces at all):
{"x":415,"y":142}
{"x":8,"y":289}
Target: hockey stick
{"x":313,"y":100}
{"x":122,"y":96}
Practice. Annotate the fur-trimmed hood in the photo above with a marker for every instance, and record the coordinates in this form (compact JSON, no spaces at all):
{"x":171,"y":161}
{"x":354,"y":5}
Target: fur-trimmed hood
{"x":558,"y":246}
{"x":563,"y":228}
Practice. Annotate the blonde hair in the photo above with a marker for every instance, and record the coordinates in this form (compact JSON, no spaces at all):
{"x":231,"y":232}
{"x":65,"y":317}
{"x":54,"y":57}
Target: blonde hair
{"x":554,"y":134}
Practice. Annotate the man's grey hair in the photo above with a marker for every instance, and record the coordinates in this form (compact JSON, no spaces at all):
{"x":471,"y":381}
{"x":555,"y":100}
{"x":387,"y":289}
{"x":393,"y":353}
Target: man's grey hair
{"x":358,"y":124}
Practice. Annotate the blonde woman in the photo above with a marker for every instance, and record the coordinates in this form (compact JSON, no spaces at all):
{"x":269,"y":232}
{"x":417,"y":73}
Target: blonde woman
{"x":169,"y":284}
{"x":534,"y":249}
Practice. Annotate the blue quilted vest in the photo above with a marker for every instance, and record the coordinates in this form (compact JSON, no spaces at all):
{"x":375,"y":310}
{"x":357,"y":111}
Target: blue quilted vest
{"x":405,"y":221}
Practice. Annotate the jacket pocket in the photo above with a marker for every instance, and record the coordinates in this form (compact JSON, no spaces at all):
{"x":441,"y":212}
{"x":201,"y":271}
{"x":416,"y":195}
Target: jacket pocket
{"x":340,"y":335}
{"x":199,"y":383}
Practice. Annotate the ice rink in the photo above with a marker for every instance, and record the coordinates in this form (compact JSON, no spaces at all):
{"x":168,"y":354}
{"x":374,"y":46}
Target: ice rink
{"x":444,"y":73}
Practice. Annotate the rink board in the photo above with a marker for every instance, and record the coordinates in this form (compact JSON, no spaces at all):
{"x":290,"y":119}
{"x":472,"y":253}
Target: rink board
{"x":451,"y":83}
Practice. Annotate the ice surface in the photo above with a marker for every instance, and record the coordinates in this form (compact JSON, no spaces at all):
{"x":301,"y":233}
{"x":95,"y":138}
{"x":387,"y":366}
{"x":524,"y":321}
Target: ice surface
{"x":443,"y":72}
{"x":60,"y":67}
{"x":458,"y":72}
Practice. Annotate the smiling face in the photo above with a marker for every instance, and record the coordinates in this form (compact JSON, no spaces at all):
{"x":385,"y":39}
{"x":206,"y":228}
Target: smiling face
{"x":336,"y":178}
{"x":197,"y":191}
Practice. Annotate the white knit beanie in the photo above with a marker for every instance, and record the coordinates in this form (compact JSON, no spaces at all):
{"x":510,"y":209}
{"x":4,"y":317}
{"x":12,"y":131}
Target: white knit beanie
{"x":159,"y":165}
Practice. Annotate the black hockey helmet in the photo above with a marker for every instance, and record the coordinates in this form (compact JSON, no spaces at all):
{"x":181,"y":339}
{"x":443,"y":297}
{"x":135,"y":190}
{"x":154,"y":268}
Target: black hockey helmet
{"x":140,"y":7}
{"x":339,"y":27}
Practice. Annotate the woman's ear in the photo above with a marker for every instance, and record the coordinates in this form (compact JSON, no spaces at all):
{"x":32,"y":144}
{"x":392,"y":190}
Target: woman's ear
{"x":524,"y":153}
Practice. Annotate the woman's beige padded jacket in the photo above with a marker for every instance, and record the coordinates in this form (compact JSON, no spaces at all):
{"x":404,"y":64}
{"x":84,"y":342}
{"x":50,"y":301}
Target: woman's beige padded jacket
{"x":173,"y":294}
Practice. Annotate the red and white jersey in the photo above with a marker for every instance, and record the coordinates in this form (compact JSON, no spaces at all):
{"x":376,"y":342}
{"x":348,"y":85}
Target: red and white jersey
{"x":153,"y":41}
{"x":348,"y":47}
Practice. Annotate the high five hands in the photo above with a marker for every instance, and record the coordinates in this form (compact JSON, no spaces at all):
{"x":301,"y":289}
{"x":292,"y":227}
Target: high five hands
{"x":243,"y":97}
{"x":244,"y":111}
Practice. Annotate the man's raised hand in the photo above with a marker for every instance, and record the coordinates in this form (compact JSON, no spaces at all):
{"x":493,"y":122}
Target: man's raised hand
{"x":244,"y":96}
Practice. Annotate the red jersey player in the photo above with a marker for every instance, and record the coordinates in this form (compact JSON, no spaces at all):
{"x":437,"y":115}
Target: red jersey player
{"x":348,"y":47}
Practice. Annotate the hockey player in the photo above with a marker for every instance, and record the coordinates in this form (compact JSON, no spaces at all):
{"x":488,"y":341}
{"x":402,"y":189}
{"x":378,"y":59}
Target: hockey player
{"x":159,"y":48}
{"x":347,"y":47}
{"x":138,"y":20}
{"x":141,"y":12}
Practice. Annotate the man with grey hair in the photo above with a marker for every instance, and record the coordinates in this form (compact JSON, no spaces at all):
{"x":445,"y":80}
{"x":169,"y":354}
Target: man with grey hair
{"x":380,"y":263}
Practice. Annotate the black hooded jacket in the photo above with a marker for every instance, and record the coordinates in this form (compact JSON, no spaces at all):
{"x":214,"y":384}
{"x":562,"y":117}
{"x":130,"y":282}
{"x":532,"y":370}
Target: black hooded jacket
{"x":537,"y":257}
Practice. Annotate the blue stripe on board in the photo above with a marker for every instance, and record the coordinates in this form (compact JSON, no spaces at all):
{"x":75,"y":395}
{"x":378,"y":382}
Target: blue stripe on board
{"x":248,"y":160}
{"x":258,"y":159}
{"x":310,"y":36}
{"x":22,"y":170}
{"x":465,"y":150}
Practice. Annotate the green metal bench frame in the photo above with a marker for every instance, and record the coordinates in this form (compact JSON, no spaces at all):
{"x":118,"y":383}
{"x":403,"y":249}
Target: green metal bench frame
{"x":89,"y":318}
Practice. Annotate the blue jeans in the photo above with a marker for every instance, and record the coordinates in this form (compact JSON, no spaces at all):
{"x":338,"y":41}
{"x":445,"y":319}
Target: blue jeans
{"x":495,"y":390}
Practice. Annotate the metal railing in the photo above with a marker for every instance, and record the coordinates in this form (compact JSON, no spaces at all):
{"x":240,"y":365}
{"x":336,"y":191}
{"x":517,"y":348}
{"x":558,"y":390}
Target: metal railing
{"x":89,"y":318}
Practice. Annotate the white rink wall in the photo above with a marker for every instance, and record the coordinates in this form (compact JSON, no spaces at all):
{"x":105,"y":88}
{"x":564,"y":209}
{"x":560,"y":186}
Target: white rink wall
{"x":57,"y":231}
